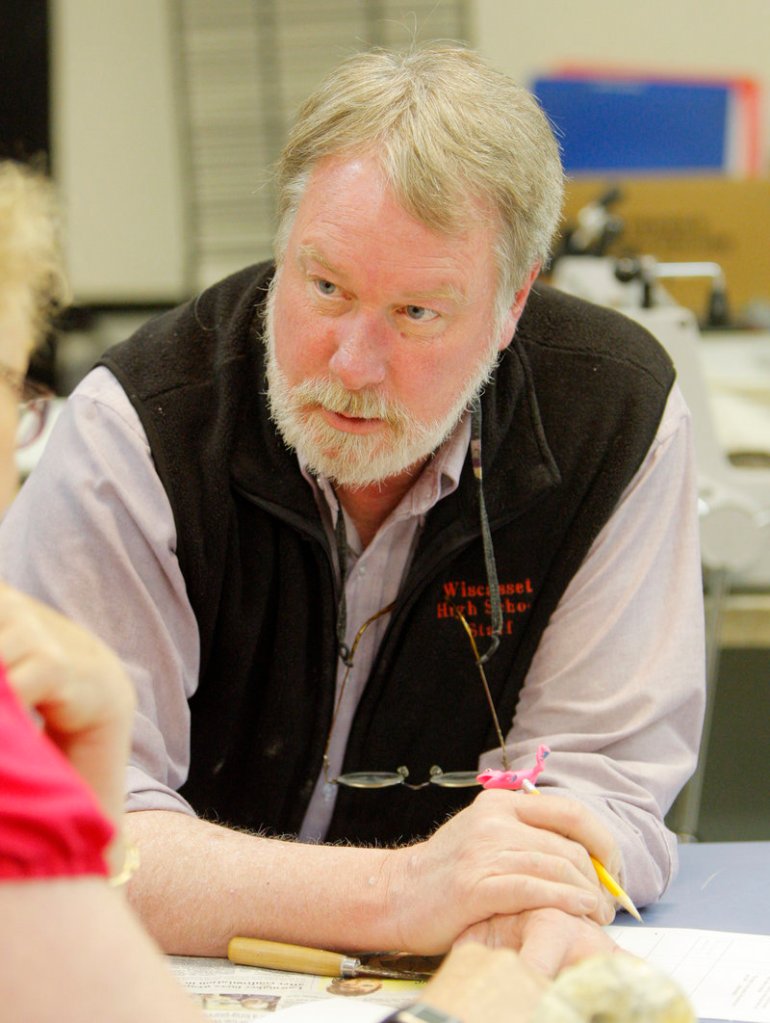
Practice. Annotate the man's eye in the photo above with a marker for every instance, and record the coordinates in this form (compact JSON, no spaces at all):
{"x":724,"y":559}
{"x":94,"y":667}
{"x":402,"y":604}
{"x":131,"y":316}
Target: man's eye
{"x":325,"y":287}
{"x":419,"y":313}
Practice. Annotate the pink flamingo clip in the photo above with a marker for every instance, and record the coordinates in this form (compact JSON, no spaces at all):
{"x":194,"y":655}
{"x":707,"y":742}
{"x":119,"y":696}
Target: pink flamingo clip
{"x":491,"y":779}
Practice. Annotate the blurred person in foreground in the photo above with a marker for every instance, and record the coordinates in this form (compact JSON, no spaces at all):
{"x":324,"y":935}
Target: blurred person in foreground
{"x":70,"y":942}
{"x":310,"y":507}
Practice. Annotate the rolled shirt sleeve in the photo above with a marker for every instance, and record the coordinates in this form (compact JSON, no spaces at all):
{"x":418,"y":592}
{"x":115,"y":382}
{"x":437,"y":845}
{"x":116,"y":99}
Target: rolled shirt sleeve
{"x":617,"y":686}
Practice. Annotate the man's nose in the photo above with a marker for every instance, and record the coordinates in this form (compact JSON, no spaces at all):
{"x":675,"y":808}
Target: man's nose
{"x":360,"y":358}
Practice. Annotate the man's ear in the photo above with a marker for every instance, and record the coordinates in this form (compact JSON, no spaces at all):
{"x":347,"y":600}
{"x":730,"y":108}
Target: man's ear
{"x":514,"y":313}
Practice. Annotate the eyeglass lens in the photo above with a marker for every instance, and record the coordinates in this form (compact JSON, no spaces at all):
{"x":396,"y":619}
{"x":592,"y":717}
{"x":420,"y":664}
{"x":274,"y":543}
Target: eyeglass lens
{"x":33,"y":416}
{"x":386,"y":779}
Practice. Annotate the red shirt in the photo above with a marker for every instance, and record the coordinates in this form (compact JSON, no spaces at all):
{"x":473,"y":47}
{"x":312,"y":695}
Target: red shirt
{"x":50,"y":822}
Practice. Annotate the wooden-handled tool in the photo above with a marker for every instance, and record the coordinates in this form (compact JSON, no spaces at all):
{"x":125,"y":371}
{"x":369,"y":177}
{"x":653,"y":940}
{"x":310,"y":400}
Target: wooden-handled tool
{"x":275,"y":955}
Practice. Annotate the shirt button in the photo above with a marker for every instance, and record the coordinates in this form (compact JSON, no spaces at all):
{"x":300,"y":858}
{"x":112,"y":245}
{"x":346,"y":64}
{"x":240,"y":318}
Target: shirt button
{"x":362,"y":569}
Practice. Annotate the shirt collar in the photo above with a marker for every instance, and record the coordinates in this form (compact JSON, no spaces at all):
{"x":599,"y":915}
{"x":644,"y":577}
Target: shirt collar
{"x":439,"y":478}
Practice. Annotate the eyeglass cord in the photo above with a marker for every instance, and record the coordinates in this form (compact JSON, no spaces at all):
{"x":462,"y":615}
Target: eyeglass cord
{"x":486,"y":536}
{"x":345,"y":652}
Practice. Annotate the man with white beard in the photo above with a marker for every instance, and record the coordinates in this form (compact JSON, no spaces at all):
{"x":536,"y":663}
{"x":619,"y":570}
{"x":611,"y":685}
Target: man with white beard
{"x":366,"y":521}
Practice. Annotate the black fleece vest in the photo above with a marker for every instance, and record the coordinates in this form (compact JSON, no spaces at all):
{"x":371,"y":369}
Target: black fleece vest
{"x":567,"y":420}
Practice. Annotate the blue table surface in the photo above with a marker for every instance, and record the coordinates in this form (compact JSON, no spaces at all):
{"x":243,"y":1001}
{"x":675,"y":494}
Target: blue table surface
{"x":722,"y":886}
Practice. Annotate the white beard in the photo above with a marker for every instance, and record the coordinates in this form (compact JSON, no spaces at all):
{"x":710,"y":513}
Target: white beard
{"x":356,"y":460}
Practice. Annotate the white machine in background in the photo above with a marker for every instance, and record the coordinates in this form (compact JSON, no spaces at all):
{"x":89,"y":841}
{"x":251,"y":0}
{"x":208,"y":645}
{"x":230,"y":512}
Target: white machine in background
{"x":734,"y":500}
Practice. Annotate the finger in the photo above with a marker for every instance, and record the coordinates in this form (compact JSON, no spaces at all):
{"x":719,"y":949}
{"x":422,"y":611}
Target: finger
{"x":35,"y":663}
{"x":572,"y":820}
{"x":516,"y":893}
{"x":552,"y":941}
{"x":495,"y":932}
{"x":606,"y":910}
{"x":507,"y":824}
{"x":545,"y":945}
{"x":569,"y":817}
{"x":23,"y":634}
{"x":19,"y":634}
{"x":534,"y":863}
{"x":66,"y":705}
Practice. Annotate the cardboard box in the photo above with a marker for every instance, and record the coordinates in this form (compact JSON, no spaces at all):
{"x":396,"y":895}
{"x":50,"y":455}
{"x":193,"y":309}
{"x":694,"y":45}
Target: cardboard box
{"x":717,"y":219}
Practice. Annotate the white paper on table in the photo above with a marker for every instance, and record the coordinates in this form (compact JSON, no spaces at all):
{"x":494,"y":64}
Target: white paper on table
{"x":726,"y":976}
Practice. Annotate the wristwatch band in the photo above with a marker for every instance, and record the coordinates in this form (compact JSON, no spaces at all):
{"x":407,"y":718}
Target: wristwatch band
{"x":420,"y":1013}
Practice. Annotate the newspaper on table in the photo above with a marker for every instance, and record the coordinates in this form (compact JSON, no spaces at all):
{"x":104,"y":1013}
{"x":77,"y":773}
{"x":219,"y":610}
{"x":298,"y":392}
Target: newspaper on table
{"x":228,"y":993}
{"x":726,"y":976}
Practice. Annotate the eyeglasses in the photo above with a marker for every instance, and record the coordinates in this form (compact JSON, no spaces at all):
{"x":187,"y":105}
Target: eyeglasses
{"x":35,"y":401}
{"x":385,"y":779}
{"x":33,"y":419}
{"x":25,"y":389}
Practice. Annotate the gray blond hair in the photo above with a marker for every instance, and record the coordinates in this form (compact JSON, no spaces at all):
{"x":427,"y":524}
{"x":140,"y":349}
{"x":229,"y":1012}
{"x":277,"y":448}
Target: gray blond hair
{"x":30,"y":263}
{"x":454,"y":137}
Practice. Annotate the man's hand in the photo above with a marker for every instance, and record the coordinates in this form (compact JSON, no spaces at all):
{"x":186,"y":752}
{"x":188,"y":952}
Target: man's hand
{"x":505,"y":854}
{"x":76,"y":684}
{"x":501,"y":860}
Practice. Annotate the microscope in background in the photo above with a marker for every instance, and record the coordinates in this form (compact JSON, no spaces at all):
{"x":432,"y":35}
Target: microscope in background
{"x":734,"y":499}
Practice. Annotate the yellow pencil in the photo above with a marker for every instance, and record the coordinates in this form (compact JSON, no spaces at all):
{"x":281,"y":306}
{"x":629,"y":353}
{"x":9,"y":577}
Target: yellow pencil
{"x":614,"y":888}
{"x":602,"y":873}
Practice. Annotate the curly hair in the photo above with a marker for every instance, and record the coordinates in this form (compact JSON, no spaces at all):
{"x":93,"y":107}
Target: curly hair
{"x":31,"y":275}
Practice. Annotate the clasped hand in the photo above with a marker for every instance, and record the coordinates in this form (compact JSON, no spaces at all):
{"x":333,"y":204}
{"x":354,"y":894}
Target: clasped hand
{"x":509,"y":870}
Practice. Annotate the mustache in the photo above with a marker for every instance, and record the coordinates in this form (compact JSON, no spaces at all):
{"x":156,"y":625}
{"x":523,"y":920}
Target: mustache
{"x":364,"y":404}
